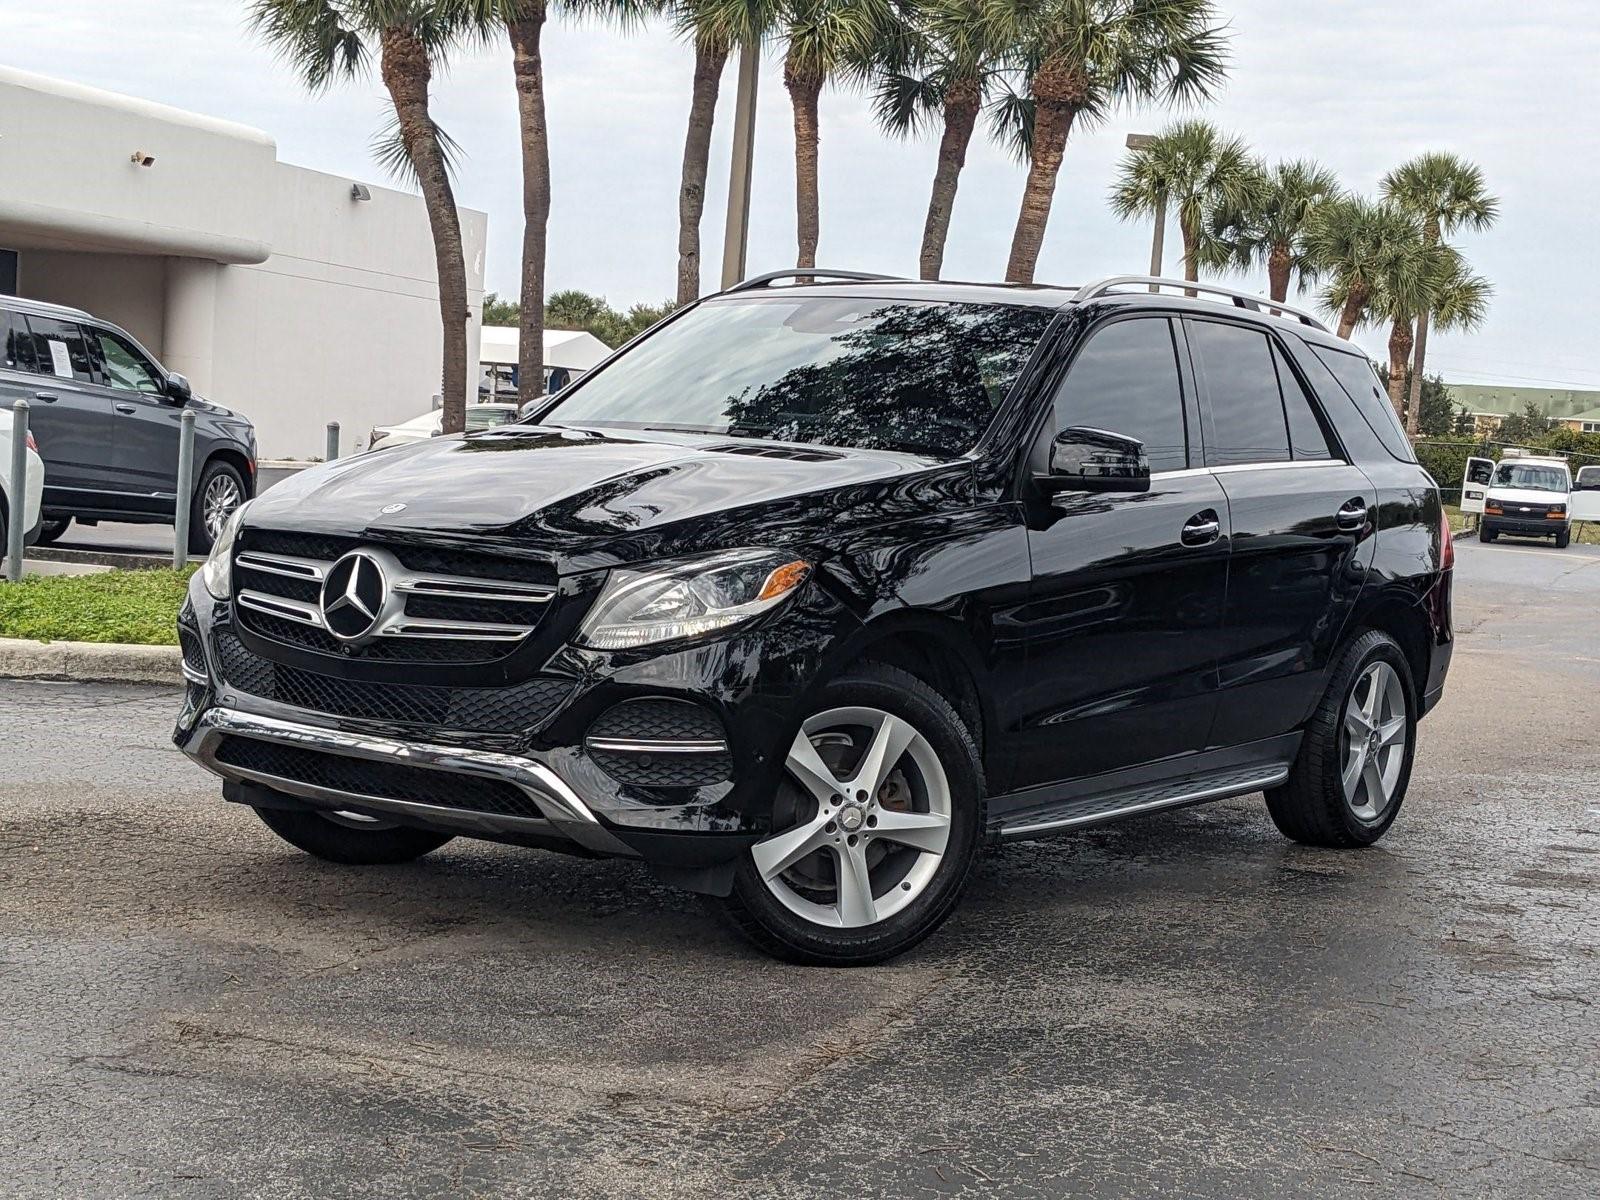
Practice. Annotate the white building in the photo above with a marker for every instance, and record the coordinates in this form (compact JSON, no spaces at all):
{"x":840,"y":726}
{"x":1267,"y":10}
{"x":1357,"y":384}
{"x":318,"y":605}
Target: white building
{"x":290,"y":295}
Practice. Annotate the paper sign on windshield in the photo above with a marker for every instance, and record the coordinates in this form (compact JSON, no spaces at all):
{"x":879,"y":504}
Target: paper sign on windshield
{"x":60,"y":359}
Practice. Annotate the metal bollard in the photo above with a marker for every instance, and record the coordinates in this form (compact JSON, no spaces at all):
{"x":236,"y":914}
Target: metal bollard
{"x":18,"y":509}
{"x":333,"y":441}
{"x":180,"y":525}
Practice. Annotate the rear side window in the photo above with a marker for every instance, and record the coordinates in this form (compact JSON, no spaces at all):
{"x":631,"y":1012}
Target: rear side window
{"x":1358,"y":379}
{"x":59,"y":349}
{"x":1126,"y":381}
{"x":16,"y":346}
{"x":1247,"y":422}
{"x":1307,"y":438}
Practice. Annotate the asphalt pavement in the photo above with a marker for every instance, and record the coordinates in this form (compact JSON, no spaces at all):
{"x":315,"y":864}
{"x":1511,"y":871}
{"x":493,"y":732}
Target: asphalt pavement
{"x":1185,"y":1005}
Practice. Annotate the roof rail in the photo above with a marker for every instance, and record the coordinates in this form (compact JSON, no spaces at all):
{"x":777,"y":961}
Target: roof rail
{"x":761,"y":281}
{"x":44,"y":306}
{"x":1256,"y":303}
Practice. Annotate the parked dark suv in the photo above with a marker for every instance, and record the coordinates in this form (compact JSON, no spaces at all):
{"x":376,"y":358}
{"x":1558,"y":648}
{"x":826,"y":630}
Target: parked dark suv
{"x":106,"y":415}
{"x":812,"y":590}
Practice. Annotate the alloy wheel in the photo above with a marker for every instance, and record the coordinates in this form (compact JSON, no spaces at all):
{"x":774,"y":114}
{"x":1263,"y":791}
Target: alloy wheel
{"x":1374,"y":741}
{"x":221,"y":498}
{"x":871,"y":811}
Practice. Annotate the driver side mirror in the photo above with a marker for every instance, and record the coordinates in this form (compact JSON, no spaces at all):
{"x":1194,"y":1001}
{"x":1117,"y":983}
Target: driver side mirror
{"x":1095,"y":460}
{"x":178,"y":389}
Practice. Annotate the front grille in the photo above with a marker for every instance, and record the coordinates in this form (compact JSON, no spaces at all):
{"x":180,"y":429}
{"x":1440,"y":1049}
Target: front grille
{"x":194,"y":655}
{"x":657,"y":720}
{"x":449,"y":605}
{"x":514,"y":709}
{"x":380,"y":780}
{"x":665,"y":770}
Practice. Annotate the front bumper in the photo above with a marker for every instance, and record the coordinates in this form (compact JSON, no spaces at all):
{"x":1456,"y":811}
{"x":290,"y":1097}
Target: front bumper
{"x":1523,"y":526}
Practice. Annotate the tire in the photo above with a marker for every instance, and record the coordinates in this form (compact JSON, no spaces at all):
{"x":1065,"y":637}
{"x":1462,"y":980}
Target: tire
{"x":217,"y":482}
{"x":52,"y":529}
{"x":910,"y":890}
{"x":1485,"y":534}
{"x":1563,"y":539}
{"x":1315,"y":806}
{"x":351,"y":840}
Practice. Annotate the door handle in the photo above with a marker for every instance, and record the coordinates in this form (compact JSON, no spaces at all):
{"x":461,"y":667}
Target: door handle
{"x":1201,"y":529}
{"x":47,"y":397}
{"x":1352,"y":517}
{"x":126,"y":408}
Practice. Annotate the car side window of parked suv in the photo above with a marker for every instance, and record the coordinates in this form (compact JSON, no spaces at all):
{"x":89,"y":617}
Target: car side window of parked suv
{"x":1125,"y":380}
{"x":59,"y":349}
{"x":1357,"y":378}
{"x":1246,"y":409}
{"x":1308,"y":437}
{"x":122,"y":366}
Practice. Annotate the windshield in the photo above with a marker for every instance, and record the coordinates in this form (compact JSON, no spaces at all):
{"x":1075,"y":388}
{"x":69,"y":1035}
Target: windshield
{"x":922,"y":378}
{"x":485,"y":416}
{"x":1533,"y":478}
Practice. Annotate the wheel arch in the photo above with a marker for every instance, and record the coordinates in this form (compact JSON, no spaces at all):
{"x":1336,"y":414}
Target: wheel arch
{"x":1404,"y":618}
{"x":236,"y":459}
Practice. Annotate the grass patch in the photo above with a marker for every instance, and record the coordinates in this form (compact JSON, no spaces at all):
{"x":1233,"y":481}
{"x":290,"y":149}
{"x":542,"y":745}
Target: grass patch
{"x":112,"y":606}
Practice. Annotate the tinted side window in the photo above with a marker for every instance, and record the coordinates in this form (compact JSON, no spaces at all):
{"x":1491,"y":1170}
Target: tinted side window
{"x":1360,"y":382}
{"x":59,"y":349}
{"x":1126,"y":381}
{"x":16,"y":347}
{"x":123,"y":366}
{"x":1307,"y":438}
{"x":1247,"y":424}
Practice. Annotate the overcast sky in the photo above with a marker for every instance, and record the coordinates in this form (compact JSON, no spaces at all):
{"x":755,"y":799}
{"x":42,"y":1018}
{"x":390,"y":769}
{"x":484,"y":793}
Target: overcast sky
{"x":1359,"y":84}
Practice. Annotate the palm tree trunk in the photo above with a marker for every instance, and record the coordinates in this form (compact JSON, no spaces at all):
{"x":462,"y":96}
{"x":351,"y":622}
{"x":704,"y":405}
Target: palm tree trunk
{"x":1279,"y":264}
{"x":1399,"y":355}
{"x":406,"y":73}
{"x":1354,"y":305}
{"x":804,"y":89}
{"x":962,"y":101}
{"x":710,"y":57}
{"x":1414,"y":412}
{"x":528,"y":69}
{"x":1052,"y":123}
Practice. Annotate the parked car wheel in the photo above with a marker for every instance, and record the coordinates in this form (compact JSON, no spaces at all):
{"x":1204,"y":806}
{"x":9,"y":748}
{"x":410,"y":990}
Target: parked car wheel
{"x":51,"y":529}
{"x":350,"y":838}
{"x":1485,"y":534}
{"x":1348,"y":782}
{"x":1563,"y":539}
{"x":875,"y":826}
{"x":219,"y":492}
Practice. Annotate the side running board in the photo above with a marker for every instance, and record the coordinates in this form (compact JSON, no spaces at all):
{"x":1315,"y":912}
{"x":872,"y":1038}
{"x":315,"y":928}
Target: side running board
{"x":1101,"y":807}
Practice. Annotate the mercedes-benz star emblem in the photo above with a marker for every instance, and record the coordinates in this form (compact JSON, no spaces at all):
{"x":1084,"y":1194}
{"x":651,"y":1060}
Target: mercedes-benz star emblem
{"x":388,"y":510}
{"x":353,"y":593}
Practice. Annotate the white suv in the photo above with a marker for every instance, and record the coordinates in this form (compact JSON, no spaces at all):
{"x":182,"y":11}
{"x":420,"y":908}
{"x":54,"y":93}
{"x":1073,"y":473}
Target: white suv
{"x":1528,"y":497}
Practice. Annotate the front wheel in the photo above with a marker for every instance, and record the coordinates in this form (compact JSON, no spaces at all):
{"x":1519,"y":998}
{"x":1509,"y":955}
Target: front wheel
{"x":1485,"y":534}
{"x":220,"y":491}
{"x":875,"y":826}
{"x":1563,"y":539}
{"x":1347,"y":784}
{"x":350,"y":838}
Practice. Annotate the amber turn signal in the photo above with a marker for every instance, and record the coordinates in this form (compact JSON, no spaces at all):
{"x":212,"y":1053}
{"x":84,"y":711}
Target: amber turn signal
{"x":785,"y":579}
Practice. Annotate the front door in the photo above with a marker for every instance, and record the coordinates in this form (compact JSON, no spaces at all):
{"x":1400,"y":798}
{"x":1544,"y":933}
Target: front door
{"x":145,"y":421}
{"x":70,"y":417}
{"x":1303,"y":522}
{"x":1125,"y":612}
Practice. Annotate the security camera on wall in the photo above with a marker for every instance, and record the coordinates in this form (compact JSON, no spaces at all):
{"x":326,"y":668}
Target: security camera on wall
{"x":140,"y":159}
{"x":359,"y":191}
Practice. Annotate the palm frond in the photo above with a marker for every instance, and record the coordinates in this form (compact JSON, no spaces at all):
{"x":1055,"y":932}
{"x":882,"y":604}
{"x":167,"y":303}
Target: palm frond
{"x":906,"y":105}
{"x":1011,"y":123}
{"x":392,"y":154}
{"x":312,"y":38}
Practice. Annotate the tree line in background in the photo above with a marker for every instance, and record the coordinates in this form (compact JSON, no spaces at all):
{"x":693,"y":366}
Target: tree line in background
{"x":1036,"y":70}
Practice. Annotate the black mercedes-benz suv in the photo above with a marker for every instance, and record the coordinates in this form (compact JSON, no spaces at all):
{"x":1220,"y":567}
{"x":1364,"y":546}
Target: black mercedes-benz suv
{"x":812,"y":590}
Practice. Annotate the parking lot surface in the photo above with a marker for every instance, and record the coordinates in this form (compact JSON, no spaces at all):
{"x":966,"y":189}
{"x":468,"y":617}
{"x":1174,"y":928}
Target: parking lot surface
{"x":1183,"y":1005}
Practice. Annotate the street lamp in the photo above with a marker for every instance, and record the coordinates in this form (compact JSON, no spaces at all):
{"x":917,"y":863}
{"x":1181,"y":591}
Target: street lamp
{"x":1143,"y":141}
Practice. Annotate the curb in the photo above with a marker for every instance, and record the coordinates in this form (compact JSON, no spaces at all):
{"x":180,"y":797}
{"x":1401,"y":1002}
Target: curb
{"x":90,"y":662}
{"x":106,"y":558}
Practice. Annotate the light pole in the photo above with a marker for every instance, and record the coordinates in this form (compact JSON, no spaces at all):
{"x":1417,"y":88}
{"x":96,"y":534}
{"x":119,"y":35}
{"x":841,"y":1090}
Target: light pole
{"x":1143,"y":141}
{"x":736,"y":232}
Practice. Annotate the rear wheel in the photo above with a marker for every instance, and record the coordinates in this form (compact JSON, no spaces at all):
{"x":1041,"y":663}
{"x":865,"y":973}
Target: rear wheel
{"x":876,"y":823}
{"x":350,"y":838}
{"x":51,"y":530}
{"x":1347,"y":784}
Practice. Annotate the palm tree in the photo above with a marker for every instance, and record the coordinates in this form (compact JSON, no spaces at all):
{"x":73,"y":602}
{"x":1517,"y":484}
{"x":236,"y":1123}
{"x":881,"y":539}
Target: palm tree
{"x":1271,"y":232}
{"x":716,"y":27}
{"x":1361,"y":245}
{"x":524,"y":21}
{"x":1201,"y":172}
{"x":1445,"y":192}
{"x":827,"y":40}
{"x":1447,"y":289}
{"x":327,"y":40}
{"x":952,"y":67}
{"x":1078,"y":59}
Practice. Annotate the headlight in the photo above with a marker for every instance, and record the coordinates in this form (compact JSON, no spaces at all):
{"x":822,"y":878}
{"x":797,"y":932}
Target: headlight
{"x":688,"y":598}
{"x":217,"y":574}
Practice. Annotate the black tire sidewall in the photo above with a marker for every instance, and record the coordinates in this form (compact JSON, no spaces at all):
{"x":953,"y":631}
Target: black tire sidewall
{"x":1370,"y":648}
{"x":199,"y":536}
{"x":47,"y":536}
{"x":791,"y":936}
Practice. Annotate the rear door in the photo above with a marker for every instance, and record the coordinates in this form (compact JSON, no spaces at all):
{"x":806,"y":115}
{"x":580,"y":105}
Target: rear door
{"x":1475,"y":484}
{"x":1303,"y":519}
{"x":71,"y":416}
{"x":145,"y":421}
{"x":1125,"y":610}
{"x":1585,"y":499}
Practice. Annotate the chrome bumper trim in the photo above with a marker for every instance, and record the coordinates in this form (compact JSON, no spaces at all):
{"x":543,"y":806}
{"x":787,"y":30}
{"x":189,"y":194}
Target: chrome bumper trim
{"x":563,"y":810}
{"x":658,"y":745}
{"x":195,"y":675}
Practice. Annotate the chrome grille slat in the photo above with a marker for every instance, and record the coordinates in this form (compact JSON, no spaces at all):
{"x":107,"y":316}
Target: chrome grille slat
{"x":283,"y":564}
{"x":433,"y":628}
{"x":281,"y":606}
{"x":457,"y":588}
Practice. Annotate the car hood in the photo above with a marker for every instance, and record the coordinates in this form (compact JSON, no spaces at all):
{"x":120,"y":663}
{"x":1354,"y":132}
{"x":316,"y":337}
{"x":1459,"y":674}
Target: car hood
{"x":1526,"y":496}
{"x":593,"y":497}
